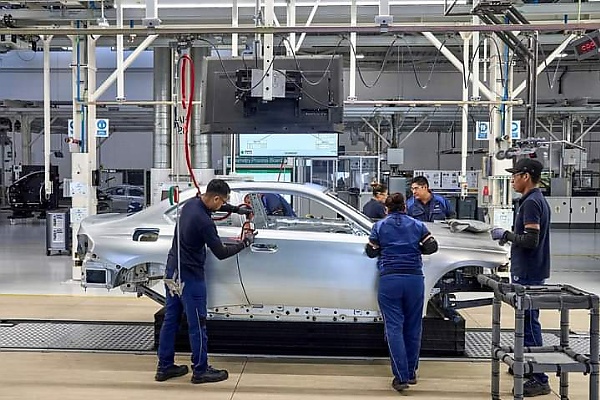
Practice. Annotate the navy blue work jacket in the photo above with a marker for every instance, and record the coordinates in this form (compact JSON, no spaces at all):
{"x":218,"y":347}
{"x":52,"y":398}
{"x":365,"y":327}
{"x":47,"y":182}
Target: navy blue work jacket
{"x":438,"y":208}
{"x":399,"y":237}
{"x":197,"y":230}
{"x":532,"y":264}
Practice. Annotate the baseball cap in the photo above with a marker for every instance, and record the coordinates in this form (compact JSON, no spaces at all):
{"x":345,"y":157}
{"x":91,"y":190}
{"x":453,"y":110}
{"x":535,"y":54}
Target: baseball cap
{"x":531,"y":166}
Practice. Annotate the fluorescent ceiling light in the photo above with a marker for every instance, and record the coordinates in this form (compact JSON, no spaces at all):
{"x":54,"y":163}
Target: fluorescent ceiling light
{"x":360,"y":56}
{"x":562,"y":55}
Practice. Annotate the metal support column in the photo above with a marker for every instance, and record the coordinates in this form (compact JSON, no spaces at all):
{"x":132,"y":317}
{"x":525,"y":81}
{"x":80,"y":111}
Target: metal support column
{"x":47,"y":122}
{"x":530,"y":116}
{"x":353,"y":52}
{"x":91,"y":123}
{"x":465,"y":117}
{"x":234,"y":23}
{"x":291,"y":21}
{"x":121,"y":74}
{"x":267,"y":84}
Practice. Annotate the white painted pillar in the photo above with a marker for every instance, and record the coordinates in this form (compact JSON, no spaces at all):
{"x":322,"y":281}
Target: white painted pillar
{"x":465,"y":117}
{"x":353,"y":52}
{"x":291,"y":21}
{"x":91,"y":122}
{"x":47,"y":121}
{"x":120,"y":69}
{"x":234,"y":23}
{"x":267,"y":84}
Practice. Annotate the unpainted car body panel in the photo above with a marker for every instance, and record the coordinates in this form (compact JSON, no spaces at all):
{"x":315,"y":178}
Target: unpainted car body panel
{"x":286,"y":265}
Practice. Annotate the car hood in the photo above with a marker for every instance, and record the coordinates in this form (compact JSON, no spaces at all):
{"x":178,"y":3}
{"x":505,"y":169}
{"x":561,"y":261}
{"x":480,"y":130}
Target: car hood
{"x":481,"y":241}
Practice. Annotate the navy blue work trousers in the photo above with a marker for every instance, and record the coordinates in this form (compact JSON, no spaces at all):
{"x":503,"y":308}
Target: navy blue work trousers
{"x":401,"y":303}
{"x":193,"y":303}
{"x":533,"y":328}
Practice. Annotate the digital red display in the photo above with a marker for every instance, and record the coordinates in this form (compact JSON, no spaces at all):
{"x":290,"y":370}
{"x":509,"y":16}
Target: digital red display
{"x":584,"y":47}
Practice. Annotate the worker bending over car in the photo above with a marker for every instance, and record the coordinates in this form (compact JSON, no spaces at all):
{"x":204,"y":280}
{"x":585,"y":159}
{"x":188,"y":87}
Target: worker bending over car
{"x":399,"y":241}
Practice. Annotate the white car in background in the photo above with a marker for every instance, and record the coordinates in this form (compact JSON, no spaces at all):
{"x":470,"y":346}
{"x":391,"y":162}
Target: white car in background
{"x":298,"y":266}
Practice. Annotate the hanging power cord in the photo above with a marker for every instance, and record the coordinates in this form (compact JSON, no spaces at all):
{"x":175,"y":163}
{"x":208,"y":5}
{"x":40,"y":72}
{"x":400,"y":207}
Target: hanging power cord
{"x":187,"y":64}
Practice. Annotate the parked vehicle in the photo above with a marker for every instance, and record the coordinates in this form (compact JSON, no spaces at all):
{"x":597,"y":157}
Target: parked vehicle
{"x":28,"y":195}
{"x":310,"y":262}
{"x":122,"y":196}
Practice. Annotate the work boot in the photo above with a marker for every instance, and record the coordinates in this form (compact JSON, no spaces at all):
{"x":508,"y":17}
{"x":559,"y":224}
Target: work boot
{"x":399,"y":386}
{"x":173,"y":371}
{"x":533,"y":388}
{"x":210,"y":375}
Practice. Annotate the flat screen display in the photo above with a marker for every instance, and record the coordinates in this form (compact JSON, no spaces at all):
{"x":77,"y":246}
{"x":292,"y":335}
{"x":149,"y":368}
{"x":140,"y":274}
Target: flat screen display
{"x":308,"y":96}
{"x":289,"y":145}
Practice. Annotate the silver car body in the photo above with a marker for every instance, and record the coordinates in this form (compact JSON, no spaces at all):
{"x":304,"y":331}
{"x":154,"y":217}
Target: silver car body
{"x":309,"y":263}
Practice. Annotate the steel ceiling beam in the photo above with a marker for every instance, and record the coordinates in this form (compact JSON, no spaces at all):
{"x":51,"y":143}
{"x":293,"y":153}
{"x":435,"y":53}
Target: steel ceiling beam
{"x":335,"y":29}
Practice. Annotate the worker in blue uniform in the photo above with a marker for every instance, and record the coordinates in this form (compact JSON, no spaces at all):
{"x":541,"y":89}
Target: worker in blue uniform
{"x":399,"y":241}
{"x":194,"y":232}
{"x":276,"y":204}
{"x":425,"y":205}
{"x":375,"y":208}
{"x":529,"y":252}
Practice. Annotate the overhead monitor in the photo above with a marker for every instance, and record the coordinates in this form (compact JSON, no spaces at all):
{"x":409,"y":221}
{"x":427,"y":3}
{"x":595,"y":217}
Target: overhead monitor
{"x":587,"y":46}
{"x":289,"y":145}
{"x":307,"y":95}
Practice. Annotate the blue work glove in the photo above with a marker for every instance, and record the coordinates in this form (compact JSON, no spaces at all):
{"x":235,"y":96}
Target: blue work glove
{"x":498,"y":233}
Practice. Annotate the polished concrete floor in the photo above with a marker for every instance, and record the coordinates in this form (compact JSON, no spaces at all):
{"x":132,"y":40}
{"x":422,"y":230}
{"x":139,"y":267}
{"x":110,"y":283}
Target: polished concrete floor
{"x":33,"y":285}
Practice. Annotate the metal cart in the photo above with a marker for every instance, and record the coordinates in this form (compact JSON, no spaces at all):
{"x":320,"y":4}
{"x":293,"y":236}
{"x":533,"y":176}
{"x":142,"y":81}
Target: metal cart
{"x":559,"y":359}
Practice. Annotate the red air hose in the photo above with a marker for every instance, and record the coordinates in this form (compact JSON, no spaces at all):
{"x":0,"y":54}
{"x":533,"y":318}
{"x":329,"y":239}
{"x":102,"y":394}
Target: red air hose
{"x":187,"y":105}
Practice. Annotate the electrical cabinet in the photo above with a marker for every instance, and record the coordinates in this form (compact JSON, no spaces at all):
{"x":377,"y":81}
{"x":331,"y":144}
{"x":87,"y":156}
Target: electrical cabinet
{"x":597,"y":212}
{"x":561,"y":211}
{"x":583,"y":212}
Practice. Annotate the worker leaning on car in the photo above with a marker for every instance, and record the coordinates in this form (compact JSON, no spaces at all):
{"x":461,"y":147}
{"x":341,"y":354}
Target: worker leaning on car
{"x":194,"y":231}
{"x":399,"y":241}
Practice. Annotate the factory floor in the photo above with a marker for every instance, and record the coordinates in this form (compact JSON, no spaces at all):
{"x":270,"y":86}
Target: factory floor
{"x":34,"y":286}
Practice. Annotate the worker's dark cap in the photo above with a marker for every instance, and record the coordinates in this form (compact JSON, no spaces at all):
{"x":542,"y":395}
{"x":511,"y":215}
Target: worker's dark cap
{"x":531,"y":166}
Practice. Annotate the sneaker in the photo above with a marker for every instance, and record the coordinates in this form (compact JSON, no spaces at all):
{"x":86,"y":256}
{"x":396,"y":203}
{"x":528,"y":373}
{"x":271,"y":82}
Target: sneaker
{"x":173,"y":371}
{"x":412,"y":381}
{"x":399,"y":386}
{"x":533,"y":388}
{"x":210,"y":375}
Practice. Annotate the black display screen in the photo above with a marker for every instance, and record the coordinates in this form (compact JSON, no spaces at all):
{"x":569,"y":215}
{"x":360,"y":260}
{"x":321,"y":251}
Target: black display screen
{"x":587,"y":46}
